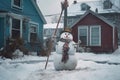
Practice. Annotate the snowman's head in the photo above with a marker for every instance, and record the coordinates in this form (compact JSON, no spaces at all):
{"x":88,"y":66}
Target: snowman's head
{"x":66,"y":35}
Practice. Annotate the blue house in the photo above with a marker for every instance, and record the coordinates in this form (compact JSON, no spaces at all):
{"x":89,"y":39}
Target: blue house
{"x":21,"y":19}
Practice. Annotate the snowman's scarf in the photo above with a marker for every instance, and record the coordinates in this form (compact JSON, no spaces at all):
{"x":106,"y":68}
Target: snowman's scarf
{"x":65,"y":55}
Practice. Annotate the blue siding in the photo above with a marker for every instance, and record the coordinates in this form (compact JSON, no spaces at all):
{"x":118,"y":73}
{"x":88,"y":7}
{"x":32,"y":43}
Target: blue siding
{"x":5,"y":5}
{"x":32,"y":13}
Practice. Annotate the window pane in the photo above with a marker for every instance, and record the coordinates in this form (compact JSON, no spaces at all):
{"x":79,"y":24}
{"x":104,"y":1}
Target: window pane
{"x":83,"y":40}
{"x":17,"y":2}
{"x":33,"y":37}
{"x":15,"y":34}
{"x":15,"y":23}
{"x":83,"y":32}
{"x":83,"y":36}
{"x":95,"y":38}
{"x":33,"y":32}
{"x":33,"y":29}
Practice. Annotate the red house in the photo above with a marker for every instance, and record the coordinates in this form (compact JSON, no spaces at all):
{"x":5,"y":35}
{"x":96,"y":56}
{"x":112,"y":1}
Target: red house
{"x":95,"y":32}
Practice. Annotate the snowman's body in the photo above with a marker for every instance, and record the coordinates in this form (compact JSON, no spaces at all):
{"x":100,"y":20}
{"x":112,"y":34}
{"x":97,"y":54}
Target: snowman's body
{"x":65,"y":58}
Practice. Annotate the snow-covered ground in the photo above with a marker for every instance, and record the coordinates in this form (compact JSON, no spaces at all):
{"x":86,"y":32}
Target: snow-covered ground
{"x":90,"y":67}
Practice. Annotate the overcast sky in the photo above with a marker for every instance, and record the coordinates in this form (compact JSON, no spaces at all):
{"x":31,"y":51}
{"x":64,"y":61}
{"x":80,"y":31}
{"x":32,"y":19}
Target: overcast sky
{"x":53,"y":6}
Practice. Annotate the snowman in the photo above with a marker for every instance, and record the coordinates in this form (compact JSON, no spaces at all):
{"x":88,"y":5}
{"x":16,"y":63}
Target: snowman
{"x":65,"y":58}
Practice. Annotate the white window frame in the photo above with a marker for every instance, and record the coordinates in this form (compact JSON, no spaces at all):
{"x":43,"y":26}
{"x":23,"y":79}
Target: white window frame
{"x":95,"y":26}
{"x":37,"y":32}
{"x":15,"y":6}
{"x":83,"y":27}
{"x":19,"y":18}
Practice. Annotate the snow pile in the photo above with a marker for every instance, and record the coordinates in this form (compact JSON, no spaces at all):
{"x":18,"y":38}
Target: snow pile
{"x":16,"y":71}
{"x":86,"y":70}
{"x":18,"y":53}
{"x":113,"y":57}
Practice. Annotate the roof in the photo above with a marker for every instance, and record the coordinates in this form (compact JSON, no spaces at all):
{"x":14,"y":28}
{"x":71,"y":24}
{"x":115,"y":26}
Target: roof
{"x":38,"y":10}
{"x":75,"y":9}
{"x":53,"y":25}
{"x":98,"y":16}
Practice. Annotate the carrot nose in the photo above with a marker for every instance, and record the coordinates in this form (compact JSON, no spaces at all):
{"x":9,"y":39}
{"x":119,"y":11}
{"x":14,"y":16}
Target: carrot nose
{"x":66,"y":36}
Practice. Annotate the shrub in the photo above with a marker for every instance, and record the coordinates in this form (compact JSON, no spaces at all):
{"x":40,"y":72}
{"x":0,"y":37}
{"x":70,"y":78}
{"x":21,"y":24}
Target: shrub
{"x":46,"y":50}
{"x":11,"y":46}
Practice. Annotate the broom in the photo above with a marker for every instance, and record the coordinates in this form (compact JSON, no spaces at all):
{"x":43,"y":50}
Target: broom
{"x":53,"y":37}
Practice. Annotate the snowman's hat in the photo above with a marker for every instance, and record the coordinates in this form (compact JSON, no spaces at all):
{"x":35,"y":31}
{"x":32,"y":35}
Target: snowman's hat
{"x":67,"y":30}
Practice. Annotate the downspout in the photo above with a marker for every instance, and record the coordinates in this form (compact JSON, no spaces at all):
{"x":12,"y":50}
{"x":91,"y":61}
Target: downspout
{"x":65,"y":18}
{"x":4,"y":31}
{"x":64,"y":7}
{"x":113,"y":37}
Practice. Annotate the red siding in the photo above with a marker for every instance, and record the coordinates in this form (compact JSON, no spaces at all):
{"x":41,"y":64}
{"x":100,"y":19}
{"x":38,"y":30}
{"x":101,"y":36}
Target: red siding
{"x":106,"y":33}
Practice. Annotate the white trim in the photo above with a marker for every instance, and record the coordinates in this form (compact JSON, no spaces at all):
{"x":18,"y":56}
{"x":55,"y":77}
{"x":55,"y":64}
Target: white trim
{"x":34,"y":23}
{"x":16,"y":17}
{"x":10,"y":27}
{"x":94,"y":26}
{"x":83,"y":27}
{"x":21,"y":28}
{"x":3,"y":14}
{"x":15,"y":6}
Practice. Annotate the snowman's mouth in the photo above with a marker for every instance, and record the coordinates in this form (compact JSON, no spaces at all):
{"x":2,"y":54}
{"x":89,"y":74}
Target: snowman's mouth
{"x":65,"y":40}
{"x":66,"y":37}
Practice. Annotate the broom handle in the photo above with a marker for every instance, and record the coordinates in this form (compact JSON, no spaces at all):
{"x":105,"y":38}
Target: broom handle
{"x":58,"y":23}
{"x":53,"y":36}
{"x":47,"y":61}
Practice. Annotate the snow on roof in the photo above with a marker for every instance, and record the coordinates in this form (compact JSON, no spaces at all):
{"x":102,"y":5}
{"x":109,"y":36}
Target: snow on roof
{"x":53,"y":25}
{"x":100,"y":17}
{"x":75,"y":9}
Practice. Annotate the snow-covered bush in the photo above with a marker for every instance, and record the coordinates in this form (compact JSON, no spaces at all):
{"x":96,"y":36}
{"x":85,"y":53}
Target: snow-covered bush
{"x":47,"y":48}
{"x":12,"y":46}
{"x":17,"y":53}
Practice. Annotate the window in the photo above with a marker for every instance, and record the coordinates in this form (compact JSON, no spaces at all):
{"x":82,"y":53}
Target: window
{"x":95,"y":36}
{"x":17,"y":3}
{"x":83,"y":35}
{"x":84,"y":7}
{"x":33,"y":30}
{"x":16,"y":28}
{"x":107,"y":4}
{"x":70,"y":21}
{"x":90,"y":35}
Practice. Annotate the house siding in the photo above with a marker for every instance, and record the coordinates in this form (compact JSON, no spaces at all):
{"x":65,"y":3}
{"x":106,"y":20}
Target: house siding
{"x":5,"y":5}
{"x":32,"y":13}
